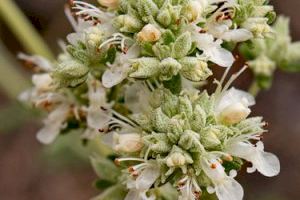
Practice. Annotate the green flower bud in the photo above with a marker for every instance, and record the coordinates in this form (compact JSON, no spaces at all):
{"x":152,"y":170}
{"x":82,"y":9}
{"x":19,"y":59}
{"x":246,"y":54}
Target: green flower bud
{"x":161,"y":51}
{"x":158,"y":142}
{"x":178,"y":157}
{"x":143,"y":121}
{"x":182,"y":45}
{"x":262,"y":66}
{"x":70,"y":73}
{"x":164,"y":18}
{"x":175,"y":129}
{"x":198,"y":119}
{"x":144,"y":67}
{"x":194,"y":69}
{"x":94,"y":37}
{"x":146,"y":9}
{"x":128,"y":24}
{"x":159,"y":121}
{"x":190,"y":140}
{"x":185,"y":106}
{"x":209,"y":138}
{"x":169,"y":103}
{"x":169,"y":67}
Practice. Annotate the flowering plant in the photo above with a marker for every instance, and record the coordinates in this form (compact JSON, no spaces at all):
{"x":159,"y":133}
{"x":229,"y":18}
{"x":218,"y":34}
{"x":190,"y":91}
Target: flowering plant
{"x":133,"y":73}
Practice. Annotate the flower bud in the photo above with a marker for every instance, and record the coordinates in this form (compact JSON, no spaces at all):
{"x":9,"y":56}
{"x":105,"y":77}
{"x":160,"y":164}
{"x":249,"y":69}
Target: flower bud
{"x":176,"y":159}
{"x":128,"y":143}
{"x":128,"y":24}
{"x":159,"y":121}
{"x":209,"y":138}
{"x":94,"y":37}
{"x":147,"y":8}
{"x":198,"y":120}
{"x":70,"y":73}
{"x":262,"y":66}
{"x":234,"y":113}
{"x":194,"y":69}
{"x":149,"y":34}
{"x":164,"y":17}
{"x":258,"y":26}
{"x":193,"y":10}
{"x":169,"y":67}
{"x":112,"y":4}
{"x":144,"y":67}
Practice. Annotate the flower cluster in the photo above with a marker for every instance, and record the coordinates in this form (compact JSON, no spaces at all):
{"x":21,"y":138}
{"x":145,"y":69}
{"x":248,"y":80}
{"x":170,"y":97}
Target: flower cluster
{"x":132,"y":73}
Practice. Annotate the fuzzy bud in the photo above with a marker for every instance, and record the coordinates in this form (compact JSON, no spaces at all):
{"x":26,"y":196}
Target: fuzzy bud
{"x":194,"y":69}
{"x":209,"y":138}
{"x":259,"y":27}
{"x":164,"y":18}
{"x":94,"y":37}
{"x":128,"y":143}
{"x":262,"y":66}
{"x":70,"y":73}
{"x":169,"y":67}
{"x":149,"y":34}
{"x":147,"y":8}
{"x":176,"y":159}
{"x":128,"y":24}
{"x":193,"y":10}
{"x":144,"y":67}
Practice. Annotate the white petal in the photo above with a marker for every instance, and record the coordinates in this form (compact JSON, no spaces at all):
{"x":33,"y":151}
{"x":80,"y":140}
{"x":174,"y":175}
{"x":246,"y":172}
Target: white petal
{"x":39,"y":61}
{"x":220,"y":56}
{"x":74,"y":38}
{"x":233,"y":96}
{"x":267,"y":164}
{"x":53,"y":124}
{"x":230,"y":189}
{"x":113,"y":77}
{"x":133,"y":195}
{"x":137,"y":92}
{"x":147,"y":178}
{"x":48,"y":134}
{"x":97,"y":118}
{"x":237,"y":35}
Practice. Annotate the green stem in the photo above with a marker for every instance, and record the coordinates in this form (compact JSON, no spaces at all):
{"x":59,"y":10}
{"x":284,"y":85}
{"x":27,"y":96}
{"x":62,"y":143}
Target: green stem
{"x":254,"y":89}
{"x":23,"y":29}
{"x":11,"y":80}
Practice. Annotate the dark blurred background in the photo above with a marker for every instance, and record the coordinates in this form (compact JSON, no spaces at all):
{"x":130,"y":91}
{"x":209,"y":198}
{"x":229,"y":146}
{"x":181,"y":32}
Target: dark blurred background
{"x":30,"y":171}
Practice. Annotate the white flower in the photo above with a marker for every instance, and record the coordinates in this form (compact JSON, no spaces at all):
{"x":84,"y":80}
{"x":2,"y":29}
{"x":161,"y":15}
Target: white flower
{"x":149,"y":34}
{"x":225,"y":187}
{"x":222,"y":31}
{"x":96,"y":117}
{"x":232,"y":107}
{"x":118,"y":71}
{"x":137,"y":92}
{"x":189,"y":189}
{"x":53,"y":124}
{"x":147,"y":173}
{"x":127,"y":143}
{"x":212,"y":49}
{"x":39,"y":61}
{"x":264,"y":162}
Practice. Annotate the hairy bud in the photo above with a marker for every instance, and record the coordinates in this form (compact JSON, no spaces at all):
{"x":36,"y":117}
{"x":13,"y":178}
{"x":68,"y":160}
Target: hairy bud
{"x":194,"y":69}
{"x":149,"y":34}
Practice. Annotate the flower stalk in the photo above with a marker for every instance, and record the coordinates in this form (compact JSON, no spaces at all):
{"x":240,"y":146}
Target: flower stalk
{"x":23,"y":29}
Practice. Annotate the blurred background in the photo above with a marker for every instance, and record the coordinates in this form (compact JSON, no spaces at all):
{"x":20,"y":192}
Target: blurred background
{"x":30,"y":171}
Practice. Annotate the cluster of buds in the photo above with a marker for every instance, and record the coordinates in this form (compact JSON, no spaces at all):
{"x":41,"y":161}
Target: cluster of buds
{"x":143,"y":58}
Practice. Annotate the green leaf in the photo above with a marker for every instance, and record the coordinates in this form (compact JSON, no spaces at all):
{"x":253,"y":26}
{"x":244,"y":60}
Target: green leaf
{"x":105,"y":169}
{"x":116,"y":192}
{"x":102,"y":184}
{"x":182,"y":45}
{"x":174,"y":85}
